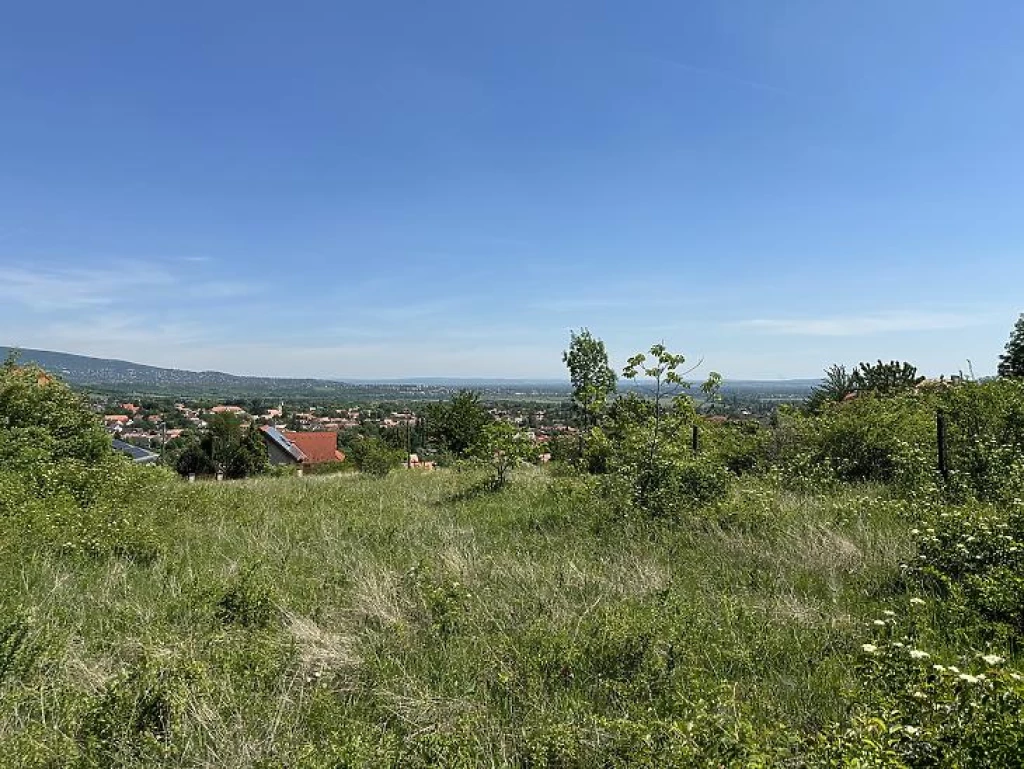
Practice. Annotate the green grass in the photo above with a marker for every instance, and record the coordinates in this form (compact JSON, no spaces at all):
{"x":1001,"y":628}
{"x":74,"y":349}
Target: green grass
{"x":350,"y":621}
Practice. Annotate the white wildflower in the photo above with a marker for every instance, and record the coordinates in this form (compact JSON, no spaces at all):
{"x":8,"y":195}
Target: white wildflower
{"x":992,"y":659}
{"x":869,"y":648}
{"x":879,"y":622}
{"x":917,"y":654}
{"x":969,"y":678}
{"x":917,"y":601}
{"x":889,"y":613}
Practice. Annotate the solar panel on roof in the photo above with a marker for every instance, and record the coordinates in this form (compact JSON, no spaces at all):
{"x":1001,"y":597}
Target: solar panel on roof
{"x":135,"y":452}
{"x":284,"y":443}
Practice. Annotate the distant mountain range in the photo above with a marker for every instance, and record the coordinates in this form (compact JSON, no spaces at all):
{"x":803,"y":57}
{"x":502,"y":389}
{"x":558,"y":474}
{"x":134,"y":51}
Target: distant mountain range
{"x":120,"y":376}
{"x":110,"y":375}
{"x":106,"y":373}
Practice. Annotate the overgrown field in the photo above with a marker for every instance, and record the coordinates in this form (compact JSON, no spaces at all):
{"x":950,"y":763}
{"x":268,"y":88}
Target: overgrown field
{"x":809,"y":592}
{"x":417,"y":620}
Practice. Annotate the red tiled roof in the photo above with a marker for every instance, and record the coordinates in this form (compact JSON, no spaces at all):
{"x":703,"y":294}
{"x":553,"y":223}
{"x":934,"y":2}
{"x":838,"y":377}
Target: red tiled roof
{"x":318,"y":447}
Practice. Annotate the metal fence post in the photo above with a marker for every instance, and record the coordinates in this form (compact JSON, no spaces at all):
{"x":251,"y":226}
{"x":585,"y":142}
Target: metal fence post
{"x":940,"y":438}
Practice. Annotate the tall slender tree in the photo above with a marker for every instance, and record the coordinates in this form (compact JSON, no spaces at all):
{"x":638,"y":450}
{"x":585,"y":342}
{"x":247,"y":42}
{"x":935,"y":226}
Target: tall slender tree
{"x":1011,"y":362}
{"x":593,"y":380}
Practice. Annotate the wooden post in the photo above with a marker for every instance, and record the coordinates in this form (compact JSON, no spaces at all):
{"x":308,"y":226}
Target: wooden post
{"x":695,"y":439}
{"x":940,"y":437}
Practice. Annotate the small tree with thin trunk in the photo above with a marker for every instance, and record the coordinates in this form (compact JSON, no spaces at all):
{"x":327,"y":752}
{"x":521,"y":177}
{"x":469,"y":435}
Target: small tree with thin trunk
{"x":504,"y":446}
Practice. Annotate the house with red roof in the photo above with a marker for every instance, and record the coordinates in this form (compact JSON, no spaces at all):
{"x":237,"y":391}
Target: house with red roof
{"x":286,"y":447}
{"x":318,"y":447}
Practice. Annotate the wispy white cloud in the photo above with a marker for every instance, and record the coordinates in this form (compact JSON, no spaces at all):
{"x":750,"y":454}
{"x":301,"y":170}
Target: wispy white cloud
{"x":123,"y":282}
{"x":866,"y":324}
{"x":53,"y":289}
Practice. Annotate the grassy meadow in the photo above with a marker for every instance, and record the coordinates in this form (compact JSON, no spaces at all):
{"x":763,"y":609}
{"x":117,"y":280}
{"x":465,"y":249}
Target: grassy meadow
{"x":420,"y":620}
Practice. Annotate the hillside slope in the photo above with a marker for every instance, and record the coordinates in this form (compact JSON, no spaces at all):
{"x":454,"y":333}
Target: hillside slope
{"x":124,"y":376}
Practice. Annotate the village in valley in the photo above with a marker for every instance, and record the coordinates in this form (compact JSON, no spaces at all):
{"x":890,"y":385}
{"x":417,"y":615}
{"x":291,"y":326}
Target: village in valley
{"x":305,"y":436}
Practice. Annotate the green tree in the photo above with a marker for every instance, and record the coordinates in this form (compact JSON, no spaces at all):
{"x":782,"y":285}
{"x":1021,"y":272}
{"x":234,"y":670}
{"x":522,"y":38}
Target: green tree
{"x":251,"y":457}
{"x":1011,"y":362}
{"x":457,"y":425}
{"x":503,"y":446}
{"x":193,"y":460}
{"x":886,"y":378}
{"x":593,"y":380}
{"x":37,"y":408}
{"x":223,"y":437}
{"x":836,"y":385}
{"x":375,"y":457}
{"x":668,"y":383}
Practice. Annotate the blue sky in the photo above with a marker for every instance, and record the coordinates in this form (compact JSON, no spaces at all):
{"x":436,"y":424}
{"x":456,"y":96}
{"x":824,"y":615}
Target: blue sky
{"x":407,"y":188}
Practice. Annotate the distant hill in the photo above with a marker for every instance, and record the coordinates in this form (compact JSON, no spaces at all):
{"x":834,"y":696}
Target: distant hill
{"x":108,"y":375}
{"x":123,"y":376}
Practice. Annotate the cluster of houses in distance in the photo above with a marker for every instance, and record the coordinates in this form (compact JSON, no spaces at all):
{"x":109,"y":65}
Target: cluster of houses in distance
{"x":303,"y":437}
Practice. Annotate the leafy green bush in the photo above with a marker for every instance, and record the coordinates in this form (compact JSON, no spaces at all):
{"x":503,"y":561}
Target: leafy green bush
{"x":974,"y":554}
{"x":986,"y":438}
{"x":670,"y":488}
{"x":913,"y":708}
{"x":375,"y":457}
{"x":740,"y":446}
{"x":878,"y":439}
{"x":61,"y":485}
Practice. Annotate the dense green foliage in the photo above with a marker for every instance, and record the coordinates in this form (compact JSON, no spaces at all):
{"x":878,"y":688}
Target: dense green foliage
{"x":375,"y":456}
{"x":226,"y":446}
{"x":886,"y":378}
{"x":456,"y":426}
{"x":62,"y":488}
